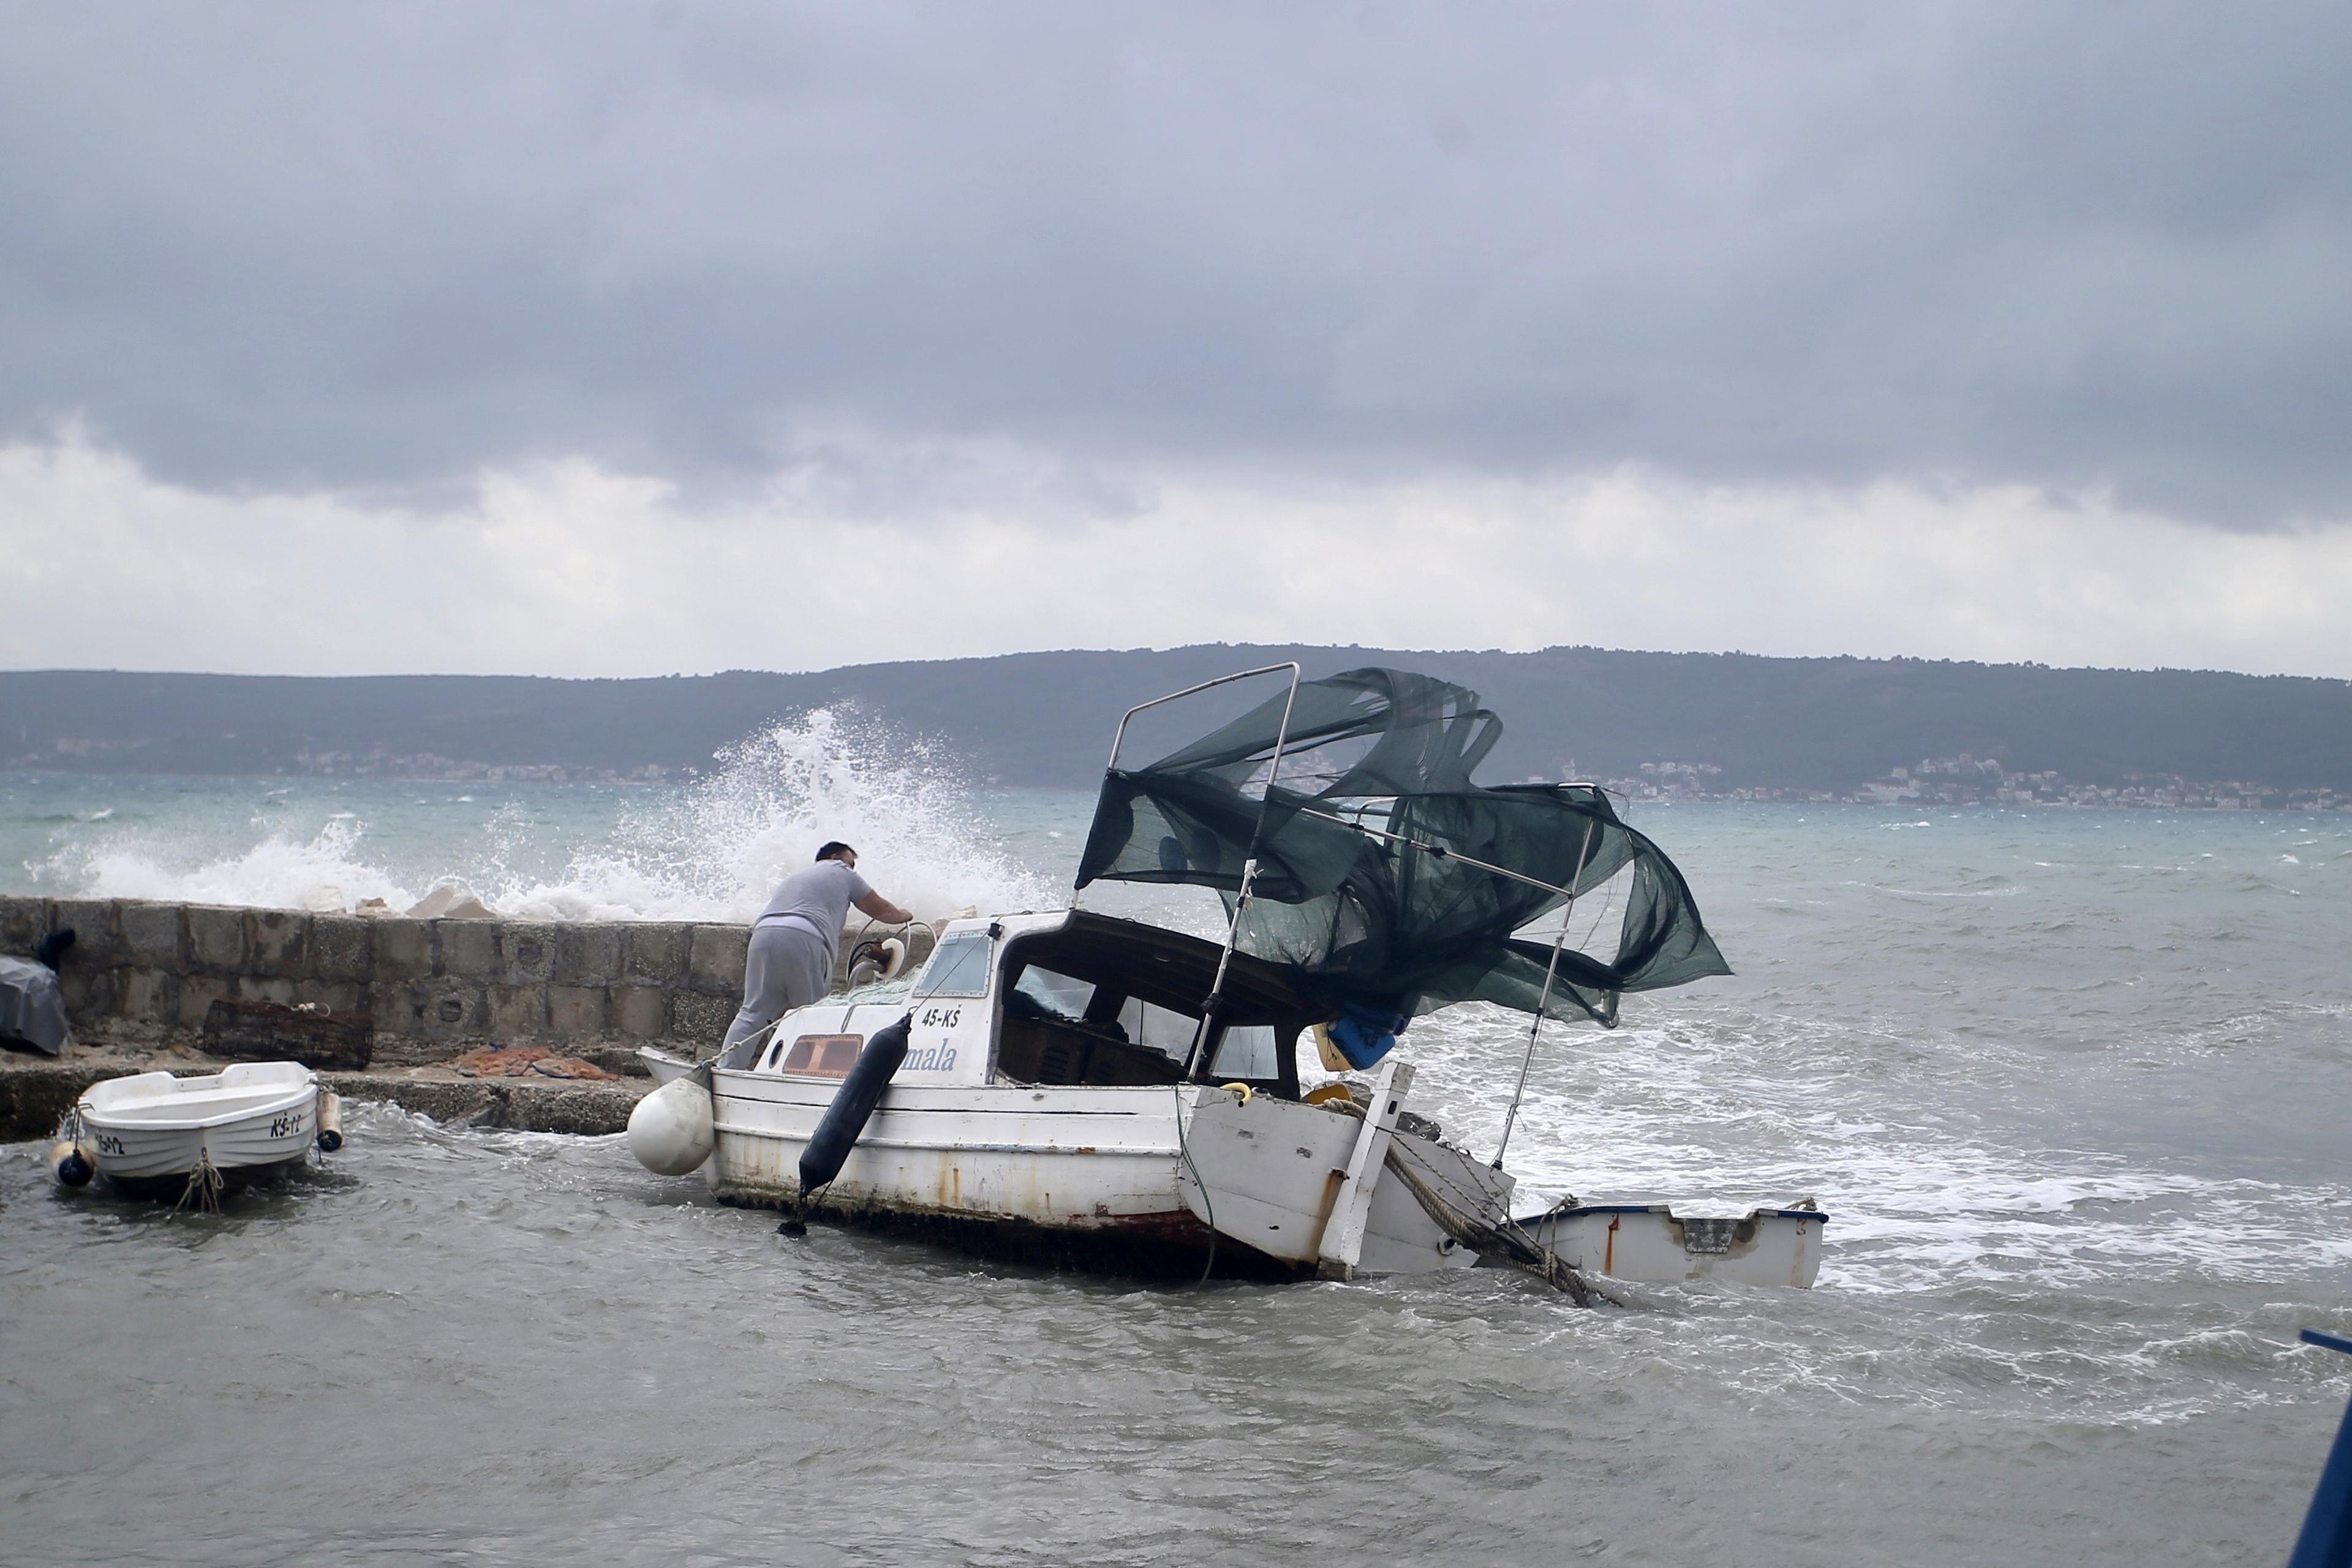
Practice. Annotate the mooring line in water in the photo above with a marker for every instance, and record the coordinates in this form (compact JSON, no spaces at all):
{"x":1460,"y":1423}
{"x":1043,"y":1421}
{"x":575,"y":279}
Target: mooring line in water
{"x":1508,"y":1236}
{"x":1207,"y":1203}
{"x":204,"y":1185}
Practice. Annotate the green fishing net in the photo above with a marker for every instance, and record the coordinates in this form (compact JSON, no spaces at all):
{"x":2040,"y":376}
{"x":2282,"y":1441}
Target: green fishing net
{"x":1365,"y":839}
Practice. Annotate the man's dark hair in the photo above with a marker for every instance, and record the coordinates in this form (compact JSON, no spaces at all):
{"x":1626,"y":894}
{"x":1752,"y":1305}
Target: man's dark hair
{"x":833,"y":847}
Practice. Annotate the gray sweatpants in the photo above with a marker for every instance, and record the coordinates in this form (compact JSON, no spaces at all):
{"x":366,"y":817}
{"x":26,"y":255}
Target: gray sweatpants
{"x":787,"y":965}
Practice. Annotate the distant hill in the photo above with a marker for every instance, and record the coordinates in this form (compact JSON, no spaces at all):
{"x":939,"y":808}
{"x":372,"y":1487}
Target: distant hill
{"x":1046,"y":718}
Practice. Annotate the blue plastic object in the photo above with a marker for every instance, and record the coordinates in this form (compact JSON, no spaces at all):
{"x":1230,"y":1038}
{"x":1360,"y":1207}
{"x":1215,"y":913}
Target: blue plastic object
{"x":2326,"y":1538}
{"x":1364,"y":1035}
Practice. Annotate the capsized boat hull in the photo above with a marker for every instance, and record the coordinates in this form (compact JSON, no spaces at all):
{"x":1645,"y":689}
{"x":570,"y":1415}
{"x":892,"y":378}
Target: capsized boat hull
{"x":247,"y":1120}
{"x":1648,"y":1242}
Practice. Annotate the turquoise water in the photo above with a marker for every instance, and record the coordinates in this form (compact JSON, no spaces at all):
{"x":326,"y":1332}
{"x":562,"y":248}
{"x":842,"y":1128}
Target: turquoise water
{"x":2076,"y":1088}
{"x":710,"y":850}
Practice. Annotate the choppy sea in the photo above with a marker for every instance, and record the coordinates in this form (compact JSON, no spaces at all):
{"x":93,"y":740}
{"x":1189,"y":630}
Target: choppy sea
{"x":2076,"y":1088}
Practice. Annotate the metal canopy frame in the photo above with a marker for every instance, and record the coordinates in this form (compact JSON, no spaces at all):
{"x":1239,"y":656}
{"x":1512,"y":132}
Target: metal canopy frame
{"x":1207,"y":1025}
{"x":1258,"y":831}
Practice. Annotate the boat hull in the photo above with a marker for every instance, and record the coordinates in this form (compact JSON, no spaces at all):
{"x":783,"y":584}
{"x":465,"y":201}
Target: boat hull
{"x":1075,"y":1156}
{"x":1649,"y":1242}
{"x":250,"y":1119}
{"x":1333,"y":1192}
{"x":1101,"y":1176}
{"x":1008,"y":1167}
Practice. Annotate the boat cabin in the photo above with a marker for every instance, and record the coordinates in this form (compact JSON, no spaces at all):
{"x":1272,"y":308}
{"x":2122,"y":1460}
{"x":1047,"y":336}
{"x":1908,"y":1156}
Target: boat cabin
{"x":1064,"y":999}
{"x":1105,"y":1001}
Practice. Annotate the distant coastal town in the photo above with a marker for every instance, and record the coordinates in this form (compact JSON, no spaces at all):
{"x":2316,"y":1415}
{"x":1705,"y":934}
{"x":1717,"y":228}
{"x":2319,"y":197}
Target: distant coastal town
{"x":1966,"y":780}
{"x":426,"y":765}
{"x":1736,"y":726}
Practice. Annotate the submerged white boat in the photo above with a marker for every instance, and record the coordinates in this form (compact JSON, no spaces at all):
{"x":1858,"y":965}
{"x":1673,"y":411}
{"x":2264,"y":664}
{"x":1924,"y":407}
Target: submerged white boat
{"x":1094,"y":1089}
{"x":154,"y":1133}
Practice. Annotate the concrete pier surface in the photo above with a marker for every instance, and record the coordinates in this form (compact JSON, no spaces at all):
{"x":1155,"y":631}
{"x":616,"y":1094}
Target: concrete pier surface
{"x":36,"y":1092}
{"x":148,"y":985}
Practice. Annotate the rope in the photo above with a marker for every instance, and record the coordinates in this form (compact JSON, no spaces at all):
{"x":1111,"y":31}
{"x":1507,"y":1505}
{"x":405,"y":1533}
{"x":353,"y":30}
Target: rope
{"x":204,"y":1185}
{"x":1185,"y":1150}
{"x":1552,"y":970}
{"x":1515,"y":1244}
{"x":758,"y":1040}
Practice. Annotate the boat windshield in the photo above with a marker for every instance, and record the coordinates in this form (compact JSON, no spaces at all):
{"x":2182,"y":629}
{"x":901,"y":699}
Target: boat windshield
{"x":960,"y":968}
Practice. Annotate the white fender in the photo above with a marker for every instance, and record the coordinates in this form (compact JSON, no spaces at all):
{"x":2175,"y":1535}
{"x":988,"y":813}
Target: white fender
{"x":878,"y":960}
{"x":671,"y":1131}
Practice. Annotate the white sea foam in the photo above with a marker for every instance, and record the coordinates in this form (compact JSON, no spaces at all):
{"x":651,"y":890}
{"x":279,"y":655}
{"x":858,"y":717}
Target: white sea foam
{"x":1717,"y":1121}
{"x":716,"y":850}
{"x":277,"y":872}
{"x":713,"y":849}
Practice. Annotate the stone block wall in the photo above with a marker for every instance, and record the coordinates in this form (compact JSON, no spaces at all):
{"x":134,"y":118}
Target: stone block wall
{"x":142,"y":973}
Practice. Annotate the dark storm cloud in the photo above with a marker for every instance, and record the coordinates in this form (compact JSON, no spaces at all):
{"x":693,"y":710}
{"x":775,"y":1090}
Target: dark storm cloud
{"x":2061,"y":245}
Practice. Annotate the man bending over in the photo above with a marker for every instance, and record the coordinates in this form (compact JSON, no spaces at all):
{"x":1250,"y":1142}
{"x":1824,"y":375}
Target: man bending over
{"x":789,"y":963}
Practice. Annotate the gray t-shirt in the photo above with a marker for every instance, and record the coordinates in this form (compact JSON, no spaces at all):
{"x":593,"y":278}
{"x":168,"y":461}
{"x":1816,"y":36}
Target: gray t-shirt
{"x":821,"y":895}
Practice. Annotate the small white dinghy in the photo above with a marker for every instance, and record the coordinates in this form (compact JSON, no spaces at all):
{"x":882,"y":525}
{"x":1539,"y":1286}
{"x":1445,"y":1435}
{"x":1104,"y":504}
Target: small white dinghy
{"x":154,"y":1134}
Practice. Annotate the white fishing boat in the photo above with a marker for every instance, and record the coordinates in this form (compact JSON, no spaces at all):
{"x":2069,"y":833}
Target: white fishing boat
{"x":1088,"y":1089}
{"x":154,"y":1134}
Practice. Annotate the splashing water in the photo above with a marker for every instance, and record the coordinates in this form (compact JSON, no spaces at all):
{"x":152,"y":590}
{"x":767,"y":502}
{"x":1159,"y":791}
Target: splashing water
{"x":718,"y":849}
{"x":711,"y":849}
{"x":323,"y":872}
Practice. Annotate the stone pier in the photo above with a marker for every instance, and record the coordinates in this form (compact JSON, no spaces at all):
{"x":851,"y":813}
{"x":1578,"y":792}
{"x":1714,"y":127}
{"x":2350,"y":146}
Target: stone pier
{"x":142,"y":976}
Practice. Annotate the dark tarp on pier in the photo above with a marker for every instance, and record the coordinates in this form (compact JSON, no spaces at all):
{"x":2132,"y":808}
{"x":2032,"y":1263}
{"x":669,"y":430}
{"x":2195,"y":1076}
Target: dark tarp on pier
{"x":32,"y":1009}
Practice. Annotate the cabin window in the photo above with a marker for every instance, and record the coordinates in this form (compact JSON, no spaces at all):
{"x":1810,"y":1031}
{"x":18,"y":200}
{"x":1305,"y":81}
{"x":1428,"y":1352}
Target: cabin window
{"x":1056,"y":994}
{"x":824,"y":1056}
{"x":1248,"y":1051}
{"x":1060,"y":1029}
{"x":1159,"y":1028}
{"x":1101,"y":1006}
{"x":960,"y":968}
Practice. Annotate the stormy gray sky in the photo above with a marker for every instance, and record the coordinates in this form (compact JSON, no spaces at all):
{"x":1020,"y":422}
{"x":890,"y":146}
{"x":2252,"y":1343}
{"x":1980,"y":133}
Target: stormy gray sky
{"x":620,"y":339}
